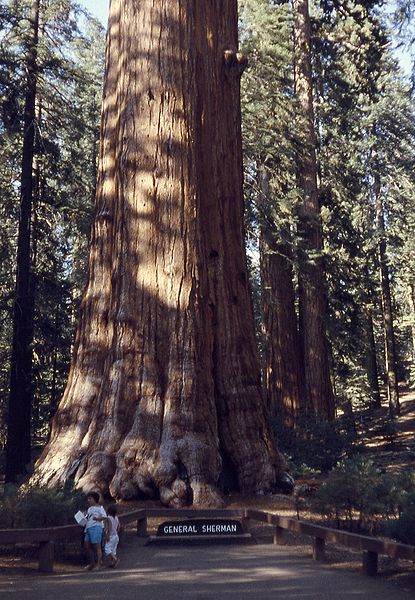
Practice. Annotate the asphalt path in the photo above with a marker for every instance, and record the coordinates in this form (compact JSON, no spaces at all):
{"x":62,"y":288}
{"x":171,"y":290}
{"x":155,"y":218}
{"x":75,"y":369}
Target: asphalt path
{"x":260,"y":572}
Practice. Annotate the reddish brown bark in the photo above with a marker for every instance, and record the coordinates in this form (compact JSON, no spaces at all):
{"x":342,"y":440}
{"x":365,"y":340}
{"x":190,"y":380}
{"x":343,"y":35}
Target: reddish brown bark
{"x":411,"y":306}
{"x":312,"y":300}
{"x":284,"y":380}
{"x":165,"y":384}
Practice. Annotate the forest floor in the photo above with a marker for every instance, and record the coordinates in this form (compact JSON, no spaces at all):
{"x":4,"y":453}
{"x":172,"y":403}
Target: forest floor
{"x":390,"y":450}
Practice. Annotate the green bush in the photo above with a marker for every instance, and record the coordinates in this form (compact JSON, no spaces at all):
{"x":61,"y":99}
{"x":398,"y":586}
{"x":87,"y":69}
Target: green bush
{"x":403,"y":529}
{"x":8,"y":506}
{"x":316,"y":446}
{"x":39,"y":506}
{"x":358,"y":495}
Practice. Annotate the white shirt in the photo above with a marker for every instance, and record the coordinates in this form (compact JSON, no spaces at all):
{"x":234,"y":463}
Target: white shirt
{"x":113,"y":525}
{"x":95,"y":511}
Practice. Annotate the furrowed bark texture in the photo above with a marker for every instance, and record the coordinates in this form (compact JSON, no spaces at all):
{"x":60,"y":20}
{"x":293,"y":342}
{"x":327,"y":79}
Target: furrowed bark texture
{"x":284,"y":379}
{"x":165,"y":382}
{"x":312,"y":300}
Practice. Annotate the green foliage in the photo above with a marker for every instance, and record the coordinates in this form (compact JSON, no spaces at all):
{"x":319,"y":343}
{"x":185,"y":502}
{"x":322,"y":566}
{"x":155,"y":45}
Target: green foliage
{"x":391,"y":431}
{"x":69,"y":84}
{"x":359,"y":495}
{"x":316,"y":446}
{"x":403,"y":529}
{"x":38,"y":506}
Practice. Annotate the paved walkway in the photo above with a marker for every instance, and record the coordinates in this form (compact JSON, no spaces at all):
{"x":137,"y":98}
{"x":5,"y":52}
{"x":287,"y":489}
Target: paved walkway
{"x":257,"y":572}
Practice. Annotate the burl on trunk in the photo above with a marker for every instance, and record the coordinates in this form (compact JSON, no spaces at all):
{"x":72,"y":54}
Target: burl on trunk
{"x":164,"y":392}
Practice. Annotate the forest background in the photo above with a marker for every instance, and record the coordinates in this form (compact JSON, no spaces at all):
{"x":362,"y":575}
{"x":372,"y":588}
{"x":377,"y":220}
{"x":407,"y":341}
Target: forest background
{"x":365,"y":142}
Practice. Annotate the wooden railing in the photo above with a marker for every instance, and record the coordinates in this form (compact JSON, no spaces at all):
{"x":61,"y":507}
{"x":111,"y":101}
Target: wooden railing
{"x":46,"y":538}
{"x":371,"y":547}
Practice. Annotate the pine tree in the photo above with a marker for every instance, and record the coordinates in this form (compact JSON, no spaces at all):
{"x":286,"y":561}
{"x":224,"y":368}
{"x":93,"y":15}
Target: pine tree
{"x":60,"y":205}
{"x":18,"y":445}
{"x":362,"y":105}
{"x":269,"y":147}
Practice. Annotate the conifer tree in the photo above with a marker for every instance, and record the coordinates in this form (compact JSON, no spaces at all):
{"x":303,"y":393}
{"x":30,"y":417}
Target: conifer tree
{"x":269,"y":144}
{"x":312,"y":294}
{"x":164,"y":392}
{"x":58,"y":179}
{"x":18,"y":446}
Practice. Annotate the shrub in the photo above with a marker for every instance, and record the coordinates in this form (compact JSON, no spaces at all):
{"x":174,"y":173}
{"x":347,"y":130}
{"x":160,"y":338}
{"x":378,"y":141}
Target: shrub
{"x":316,"y":446}
{"x":403,"y":529}
{"x":358,"y":494}
{"x":8,"y":506}
{"x":39,"y":506}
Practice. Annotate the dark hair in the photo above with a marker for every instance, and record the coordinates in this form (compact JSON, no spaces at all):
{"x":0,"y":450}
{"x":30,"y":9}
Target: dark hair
{"x":112,"y":510}
{"x":93,"y":495}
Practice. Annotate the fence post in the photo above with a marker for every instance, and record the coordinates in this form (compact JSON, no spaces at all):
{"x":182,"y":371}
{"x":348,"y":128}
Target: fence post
{"x":370,"y":562}
{"x":319,"y":545}
{"x":142,"y":526}
{"x":46,"y":556}
{"x":279,"y":536}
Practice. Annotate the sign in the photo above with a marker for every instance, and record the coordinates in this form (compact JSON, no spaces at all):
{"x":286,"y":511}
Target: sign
{"x":201,"y":527}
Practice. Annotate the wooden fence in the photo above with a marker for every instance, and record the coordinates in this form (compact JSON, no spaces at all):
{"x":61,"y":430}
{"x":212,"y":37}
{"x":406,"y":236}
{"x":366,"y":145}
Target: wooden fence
{"x":371,"y":547}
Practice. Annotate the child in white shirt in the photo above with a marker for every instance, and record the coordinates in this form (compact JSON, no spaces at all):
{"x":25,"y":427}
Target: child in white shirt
{"x":112,"y":527}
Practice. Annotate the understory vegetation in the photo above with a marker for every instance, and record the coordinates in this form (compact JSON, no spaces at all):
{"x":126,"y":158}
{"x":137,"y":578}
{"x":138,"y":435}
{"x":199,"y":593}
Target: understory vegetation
{"x":338,"y":421}
{"x":23,"y":506}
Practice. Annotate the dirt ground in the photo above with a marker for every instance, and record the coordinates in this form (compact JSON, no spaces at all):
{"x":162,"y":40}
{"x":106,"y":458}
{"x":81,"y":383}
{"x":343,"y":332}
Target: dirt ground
{"x":390,"y":453}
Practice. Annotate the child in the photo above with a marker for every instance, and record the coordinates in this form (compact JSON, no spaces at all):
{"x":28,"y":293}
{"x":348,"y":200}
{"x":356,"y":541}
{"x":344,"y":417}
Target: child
{"x":112,"y":527}
{"x":94,"y":528}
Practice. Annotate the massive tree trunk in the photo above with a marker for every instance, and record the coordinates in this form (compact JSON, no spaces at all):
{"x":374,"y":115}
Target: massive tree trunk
{"x":284,"y":381}
{"x":388,"y":328}
{"x":312,"y":299}
{"x":164,"y":390}
{"x":20,"y":398}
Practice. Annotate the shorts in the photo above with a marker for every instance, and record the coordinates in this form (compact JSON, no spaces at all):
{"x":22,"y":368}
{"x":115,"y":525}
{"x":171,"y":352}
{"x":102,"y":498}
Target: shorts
{"x":111,"y":545}
{"x":94,"y":534}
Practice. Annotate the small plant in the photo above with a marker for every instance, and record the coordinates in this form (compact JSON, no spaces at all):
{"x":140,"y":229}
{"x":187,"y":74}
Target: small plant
{"x":316,"y":445}
{"x":357,"y":494}
{"x":391,"y":431}
{"x":8,"y":506}
{"x":403,"y":529}
{"x":39,"y":506}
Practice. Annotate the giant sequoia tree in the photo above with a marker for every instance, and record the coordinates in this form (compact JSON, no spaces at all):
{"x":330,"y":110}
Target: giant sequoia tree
{"x":312,"y":300}
{"x":164,"y":391}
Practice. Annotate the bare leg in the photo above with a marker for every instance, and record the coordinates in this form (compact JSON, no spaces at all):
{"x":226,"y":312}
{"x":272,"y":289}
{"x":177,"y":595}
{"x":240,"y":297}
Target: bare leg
{"x":114,"y":560}
{"x":89,"y":554}
{"x":98,"y":552}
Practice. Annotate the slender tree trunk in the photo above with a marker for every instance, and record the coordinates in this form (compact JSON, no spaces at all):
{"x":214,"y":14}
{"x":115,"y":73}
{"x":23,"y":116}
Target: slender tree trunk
{"x":371,"y":359}
{"x":94,"y":157}
{"x":165,"y":387}
{"x":411,"y":303}
{"x":282,"y":344}
{"x":18,"y":443}
{"x":388,"y":328}
{"x":372,"y":370}
{"x":312,"y":300}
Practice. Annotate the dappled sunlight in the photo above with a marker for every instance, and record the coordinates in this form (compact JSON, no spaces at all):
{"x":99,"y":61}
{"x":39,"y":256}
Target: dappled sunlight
{"x":235,"y":572}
